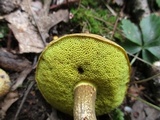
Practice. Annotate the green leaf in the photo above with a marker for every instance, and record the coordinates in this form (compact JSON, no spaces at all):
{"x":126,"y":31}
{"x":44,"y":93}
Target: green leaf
{"x":150,"y":27}
{"x":3,"y":30}
{"x":151,"y":38}
{"x":155,"y":51}
{"x":131,"y":31}
{"x":117,"y":114}
{"x":158,"y":2}
{"x":131,"y":47}
{"x":1,"y":35}
{"x":153,"y":43}
{"x":146,"y":55}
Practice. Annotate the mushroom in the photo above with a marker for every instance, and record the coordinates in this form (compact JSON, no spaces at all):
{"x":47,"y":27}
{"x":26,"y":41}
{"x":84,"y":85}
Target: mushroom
{"x":5,"y":83}
{"x":83,"y":75}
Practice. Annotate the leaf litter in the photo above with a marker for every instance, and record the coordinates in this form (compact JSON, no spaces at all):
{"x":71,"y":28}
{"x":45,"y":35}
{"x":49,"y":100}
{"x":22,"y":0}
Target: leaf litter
{"x":23,"y":25}
{"x":141,"y":111}
{"x":30,"y":24}
{"x":30,"y":28}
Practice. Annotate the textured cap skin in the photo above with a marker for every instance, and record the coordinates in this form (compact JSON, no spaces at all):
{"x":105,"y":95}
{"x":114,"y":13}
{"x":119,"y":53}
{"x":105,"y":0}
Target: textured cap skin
{"x":83,"y":57}
{"x":5,"y":83}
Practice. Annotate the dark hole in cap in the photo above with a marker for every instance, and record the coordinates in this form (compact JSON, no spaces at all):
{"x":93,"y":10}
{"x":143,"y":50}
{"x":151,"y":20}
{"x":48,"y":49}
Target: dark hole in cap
{"x":2,"y":76}
{"x":80,"y":70}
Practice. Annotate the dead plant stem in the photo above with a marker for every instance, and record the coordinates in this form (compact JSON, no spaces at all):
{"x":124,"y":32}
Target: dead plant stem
{"x":23,"y":100}
{"x":144,"y":101}
{"x":147,"y":79}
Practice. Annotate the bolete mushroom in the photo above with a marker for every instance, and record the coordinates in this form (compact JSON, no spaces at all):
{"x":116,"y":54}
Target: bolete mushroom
{"x":5,"y":83}
{"x":83,"y":75}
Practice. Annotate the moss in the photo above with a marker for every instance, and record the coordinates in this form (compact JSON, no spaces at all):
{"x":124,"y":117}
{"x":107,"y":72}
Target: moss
{"x":117,"y":114}
{"x":91,"y":20}
{"x":103,"y":63}
{"x":94,"y":17}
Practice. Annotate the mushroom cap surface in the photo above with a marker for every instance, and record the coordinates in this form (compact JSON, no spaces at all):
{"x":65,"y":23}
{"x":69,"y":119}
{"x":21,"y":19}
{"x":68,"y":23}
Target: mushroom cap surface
{"x":5,"y":83}
{"x":83,"y":57}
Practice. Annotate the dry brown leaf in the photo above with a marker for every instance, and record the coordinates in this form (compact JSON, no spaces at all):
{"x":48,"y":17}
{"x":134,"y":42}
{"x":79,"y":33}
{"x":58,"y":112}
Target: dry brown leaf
{"x":141,"y":111}
{"x":135,"y":91}
{"x":13,"y":62}
{"x":62,"y":3}
{"x":24,"y":24}
{"x":53,"y":115}
{"x":7,"y":102}
{"x":45,"y":22}
{"x":24,"y":31}
{"x":7,"y":6}
{"x":119,"y":2}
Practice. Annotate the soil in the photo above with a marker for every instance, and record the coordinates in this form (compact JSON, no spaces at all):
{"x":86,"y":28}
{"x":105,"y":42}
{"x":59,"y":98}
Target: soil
{"x":36,"y":108}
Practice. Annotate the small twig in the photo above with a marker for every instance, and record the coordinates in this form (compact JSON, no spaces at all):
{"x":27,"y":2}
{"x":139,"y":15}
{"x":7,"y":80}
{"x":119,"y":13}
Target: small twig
{"x":134,"y":59}
{"x":115,"y":26}
{"x":105,"y":22}
{"x":147,"y":97}
{"x":23,"y":100}
{"x":146,"y":80}
{"x":35,"y":62}
{"x":138,"y":58}
{"x":86,"y":24}
{"x":9,"y":42}
{"x":111,"y":10}
{"x":144,"y":101}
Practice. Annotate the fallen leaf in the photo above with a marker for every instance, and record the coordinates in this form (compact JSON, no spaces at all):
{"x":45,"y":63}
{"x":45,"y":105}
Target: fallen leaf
{"x":22,"y":76}
{"x":135,"y":91}
{"x":46,"y":22}
{"x":141,"y":111}
{"x":62,"y":3}
{"x":119,"y":2}
{"x":7,"y":6}
{"x":13,"y":62}
{"x":53,"y":115}
{"x":7,"y":102}
{"x":24,"y":31}
{"x":31,"y":27}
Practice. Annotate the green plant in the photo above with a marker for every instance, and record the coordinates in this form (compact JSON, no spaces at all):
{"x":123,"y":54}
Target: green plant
{"x":144,"y":38}
{"x":87,"y":20}
{"x":117,"y":114}
{"x":95,"y":18}
{"x":158,"y":2}
{"x":3,"y":30}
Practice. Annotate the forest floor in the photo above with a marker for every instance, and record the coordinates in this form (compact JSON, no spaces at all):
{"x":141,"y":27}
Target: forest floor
{"x":28,"y":26}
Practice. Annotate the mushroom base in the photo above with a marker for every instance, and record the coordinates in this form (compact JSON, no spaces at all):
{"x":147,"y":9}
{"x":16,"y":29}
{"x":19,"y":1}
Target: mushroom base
{"x":84,"y":101}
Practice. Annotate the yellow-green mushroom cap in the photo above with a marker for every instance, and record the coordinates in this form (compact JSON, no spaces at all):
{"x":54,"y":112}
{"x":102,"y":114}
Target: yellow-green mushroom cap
{"x":5,"y":83}
{"x":83,"y":57}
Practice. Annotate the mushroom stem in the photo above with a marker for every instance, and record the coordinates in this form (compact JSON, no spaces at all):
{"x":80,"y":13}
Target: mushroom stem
{"x":84,"y":101}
